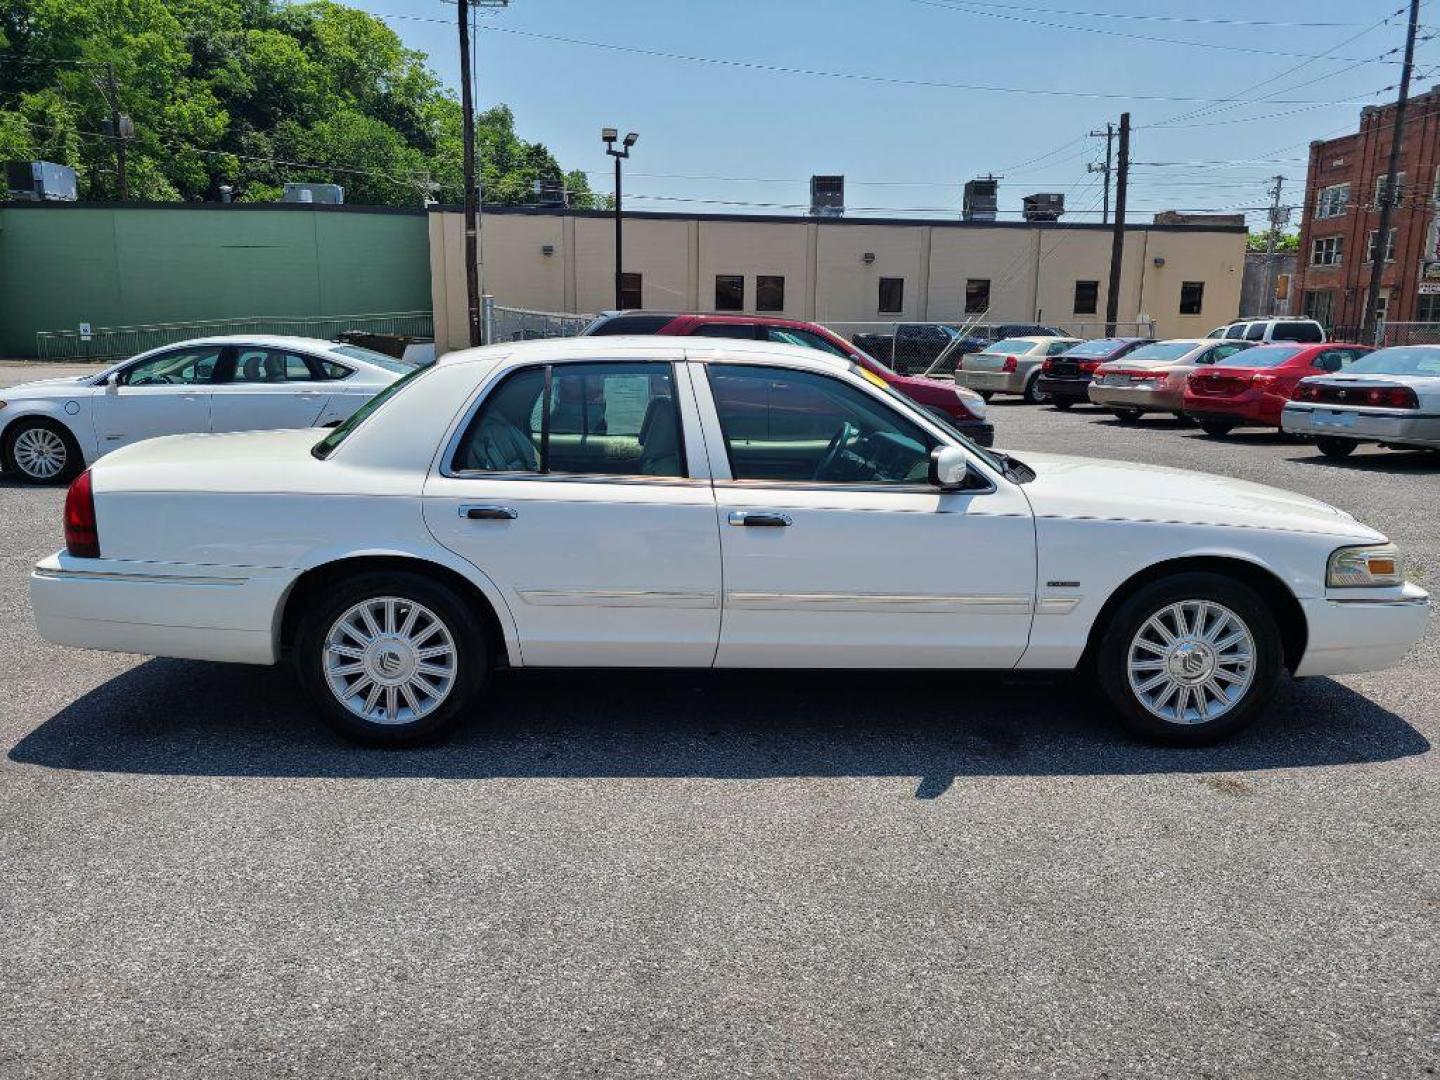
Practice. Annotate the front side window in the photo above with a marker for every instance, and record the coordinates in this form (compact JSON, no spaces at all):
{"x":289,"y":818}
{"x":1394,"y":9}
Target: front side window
{"x":184,"y":367}
{"x":892,"y":295}
{"x":769,"y":292}
{"x":1192,"y":297}
{"x":977,"y":296}
{"x":1087,"y":297}
{"x":1335,"y":359}
{"x":729,"y":292}
{"x":1332,"y":201}
{"x":1237,"y":331}
{"x":1256,"y":331}
{"x":802,"y":427}
{"x":592,"y":419}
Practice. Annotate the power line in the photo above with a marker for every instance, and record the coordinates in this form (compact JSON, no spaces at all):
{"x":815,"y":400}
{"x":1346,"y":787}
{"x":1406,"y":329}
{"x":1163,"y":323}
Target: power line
{"x":1193,"y":19}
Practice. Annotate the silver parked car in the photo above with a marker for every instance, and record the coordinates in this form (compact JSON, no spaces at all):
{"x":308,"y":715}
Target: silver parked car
{"x":1011,"y":366}
{"x":1391,"y":397}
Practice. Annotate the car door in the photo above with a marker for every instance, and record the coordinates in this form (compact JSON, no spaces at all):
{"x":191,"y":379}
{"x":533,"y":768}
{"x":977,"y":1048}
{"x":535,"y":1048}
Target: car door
{"x":164,"y":394}
{"x":836,"y":550}
{"x":262,"y":388}
{"x":581,"y":490}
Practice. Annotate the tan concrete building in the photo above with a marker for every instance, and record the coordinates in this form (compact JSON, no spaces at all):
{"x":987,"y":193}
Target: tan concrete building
{"x":1186,"y":277}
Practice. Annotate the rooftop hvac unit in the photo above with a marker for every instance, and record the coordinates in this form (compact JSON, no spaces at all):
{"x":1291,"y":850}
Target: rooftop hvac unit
{"x":981,"y":199}
{"x":329,"y":194}
{"x":1046,"y":206}
{"x":551,"y":193}
{"x":827,"y":196}
{"x":39,"y":181}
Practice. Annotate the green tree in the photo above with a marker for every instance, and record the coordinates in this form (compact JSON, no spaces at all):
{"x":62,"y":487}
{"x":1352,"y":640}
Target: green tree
{"x":1284,"y":241}
{"x":250,"y":94}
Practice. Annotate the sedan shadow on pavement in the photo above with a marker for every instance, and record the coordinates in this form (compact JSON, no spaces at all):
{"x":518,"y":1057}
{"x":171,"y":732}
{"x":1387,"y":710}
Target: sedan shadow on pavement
{"x":1398,"y":462}
{"x":178,"y":717}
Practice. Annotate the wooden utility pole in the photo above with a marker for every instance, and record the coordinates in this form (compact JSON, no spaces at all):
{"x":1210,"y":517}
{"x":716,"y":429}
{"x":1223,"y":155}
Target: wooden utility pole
{"x":1117,"y":241}
{"x":472,"y":227}
{"x":1109,"y":136}
{"x":1270,"y":245}
{"x":1387,"y":204}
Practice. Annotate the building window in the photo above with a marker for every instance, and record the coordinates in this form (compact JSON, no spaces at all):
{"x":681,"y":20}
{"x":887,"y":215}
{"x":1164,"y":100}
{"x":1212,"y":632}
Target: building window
{"x":1389,"y":246}
{"x":630,"y":292}
{"x":1395,"y":196}
{"x":1332,"y":201}
{"x":1087,"y":297}
{"x":1319,"y":305}
{"x":1327,"y":251}
{"x":977,"y":296}
{"x":1427,"y":307}
{"x":729,"y":292}
{"x":769,"y":292}
{"x":1192,"y":297}
{"x":892,"y":294}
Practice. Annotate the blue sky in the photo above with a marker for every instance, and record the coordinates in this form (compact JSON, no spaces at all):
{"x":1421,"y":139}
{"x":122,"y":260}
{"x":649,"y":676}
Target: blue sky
{"x":714,"y":134}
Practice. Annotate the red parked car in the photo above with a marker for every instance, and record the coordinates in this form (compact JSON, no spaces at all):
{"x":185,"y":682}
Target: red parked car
{"x":1250,"y":388}
{"x":963,"y":409}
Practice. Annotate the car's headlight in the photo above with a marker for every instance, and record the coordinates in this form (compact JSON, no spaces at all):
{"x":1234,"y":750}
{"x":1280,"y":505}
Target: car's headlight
{"x":973,"y":401}
{"x":1367,"y":565}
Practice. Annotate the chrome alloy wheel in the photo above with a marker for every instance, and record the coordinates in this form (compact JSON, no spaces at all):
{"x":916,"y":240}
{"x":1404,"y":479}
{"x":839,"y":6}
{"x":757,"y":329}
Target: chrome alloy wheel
{"x":1191,"y":662}
{"x":40,"y":453}
{"x":389,"y":660}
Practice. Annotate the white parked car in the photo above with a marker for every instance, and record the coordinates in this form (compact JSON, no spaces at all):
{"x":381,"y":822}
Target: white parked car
{"x":1391,"y":396}
{"x":1264,"y":331}
{"x":50,"y":429}
{"x":1011,"y":366}
{"x":653,"y":502}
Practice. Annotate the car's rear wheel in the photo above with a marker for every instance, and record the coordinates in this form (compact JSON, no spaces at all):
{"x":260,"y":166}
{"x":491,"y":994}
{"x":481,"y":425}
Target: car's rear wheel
{"x":1216,"y":428}
{"x":1332,"y":447}
{"x":1063,"y":403}
{"x":1190,"y":659}
{"x":986,"y":394}
{"x":1034,"y":394}
{"x":1127,"y":416}
{"x":390,"y":659}
{"x":40,"y":451}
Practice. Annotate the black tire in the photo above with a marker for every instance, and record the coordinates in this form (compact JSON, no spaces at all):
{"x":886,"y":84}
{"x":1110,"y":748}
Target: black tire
{"x":15,"y":463}
{"x":1112,"y":657}
{"x":1033,"y":394}
{"x":1332,"y":447}
{"x":1063,"y":403}
{"x":470,"y":664}
{"x":1127,"y":416}
{"x":1216,"y":428}
{"x":986,"y":394}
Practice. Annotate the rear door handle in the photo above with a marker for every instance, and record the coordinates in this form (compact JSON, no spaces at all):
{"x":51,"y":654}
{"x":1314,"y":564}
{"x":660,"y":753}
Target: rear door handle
{"x":488,"y":513}
{"x":753,"y":519}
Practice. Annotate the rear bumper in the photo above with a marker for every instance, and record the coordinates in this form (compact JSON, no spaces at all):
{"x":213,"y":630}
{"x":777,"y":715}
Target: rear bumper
{"x":1067,"y":389}
{"x":995,"y":382}
{"x":1142,"y":396}
{"x":1362,"y":425}
{"x":1245,"y":409}
{"x":1362,"y":634}
{"x":189,"y":612}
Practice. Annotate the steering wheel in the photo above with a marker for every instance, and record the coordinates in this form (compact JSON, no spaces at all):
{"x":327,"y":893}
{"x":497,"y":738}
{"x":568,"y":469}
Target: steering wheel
{"x":155,"y":380}
{"x":832,"y":452}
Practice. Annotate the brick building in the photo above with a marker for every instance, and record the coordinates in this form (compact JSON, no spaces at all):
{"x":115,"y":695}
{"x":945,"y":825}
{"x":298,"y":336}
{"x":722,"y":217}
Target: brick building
{"x":1342,"y":214}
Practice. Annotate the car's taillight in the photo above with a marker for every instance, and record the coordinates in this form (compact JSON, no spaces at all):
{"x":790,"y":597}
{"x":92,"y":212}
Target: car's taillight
{"x":1010,"y":364}
{"x":1307,"y":392}
{"x":1392,"y":397}
{"x":1048,"y":366}
{"x":82,"y":539}
{"x":1262,"y":381}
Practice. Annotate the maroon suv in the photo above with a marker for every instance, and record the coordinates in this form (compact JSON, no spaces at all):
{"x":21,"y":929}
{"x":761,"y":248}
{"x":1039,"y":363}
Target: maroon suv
{"x":960,"y":409}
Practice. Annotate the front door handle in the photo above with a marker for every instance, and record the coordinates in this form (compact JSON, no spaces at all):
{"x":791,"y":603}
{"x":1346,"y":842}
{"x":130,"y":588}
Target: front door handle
{"x":488,"y":513}
{"x":753,"y":519}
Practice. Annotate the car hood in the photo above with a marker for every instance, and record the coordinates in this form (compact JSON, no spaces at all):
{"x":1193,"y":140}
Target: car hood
{"x":1079,"y":487}
{"x":45,"y":388}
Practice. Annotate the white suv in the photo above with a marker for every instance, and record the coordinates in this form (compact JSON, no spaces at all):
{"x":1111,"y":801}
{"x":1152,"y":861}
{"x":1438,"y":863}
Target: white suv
{"x":1267,"y":330}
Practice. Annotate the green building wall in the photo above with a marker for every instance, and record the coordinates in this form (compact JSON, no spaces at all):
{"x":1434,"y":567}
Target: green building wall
{"x":63,"y":264}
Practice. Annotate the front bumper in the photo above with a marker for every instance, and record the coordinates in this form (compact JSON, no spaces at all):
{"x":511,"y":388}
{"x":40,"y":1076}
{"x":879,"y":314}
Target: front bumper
{"x":994,"y":382}
{"x":1364,"y":633}
{"x":1402,"y":426}
{"x":1067,"y":389}
{"x":1147,"y":397}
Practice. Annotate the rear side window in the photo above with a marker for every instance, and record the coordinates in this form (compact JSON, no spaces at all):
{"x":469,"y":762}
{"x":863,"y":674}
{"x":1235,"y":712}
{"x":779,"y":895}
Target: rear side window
{"x":1255,"y":332}
{"x":743,"y":331}
{"x":790,"y":335}
{"x":1296,"y":331}
{"x":1236,"y":331}
{"x":629,"y":324}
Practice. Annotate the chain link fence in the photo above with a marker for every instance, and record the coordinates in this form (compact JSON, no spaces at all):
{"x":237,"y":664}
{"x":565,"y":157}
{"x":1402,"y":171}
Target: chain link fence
{"x":522,"y":324}
{"x":1406,"y":333}
{"x":935,"y":348}
{"x":110,"y":342}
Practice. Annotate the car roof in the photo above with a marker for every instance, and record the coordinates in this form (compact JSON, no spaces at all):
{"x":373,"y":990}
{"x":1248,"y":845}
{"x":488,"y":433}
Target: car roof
{"x":623,"y":346}
{"x":274,"y":341}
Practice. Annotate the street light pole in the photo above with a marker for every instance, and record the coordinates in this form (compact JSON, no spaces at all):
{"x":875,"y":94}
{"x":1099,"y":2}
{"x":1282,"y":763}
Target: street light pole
{"x":608,"y":136}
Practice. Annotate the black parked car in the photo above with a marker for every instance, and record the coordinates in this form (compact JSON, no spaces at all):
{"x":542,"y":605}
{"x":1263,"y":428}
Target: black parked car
{"x":914,"y":347}
{"x":1066,"y":378}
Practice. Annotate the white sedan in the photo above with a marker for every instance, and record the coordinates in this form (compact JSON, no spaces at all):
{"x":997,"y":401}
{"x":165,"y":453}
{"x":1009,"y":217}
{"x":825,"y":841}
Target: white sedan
{"x":50,"y":429}
{"x":646,"y":502}
{"x":1391,"y":397}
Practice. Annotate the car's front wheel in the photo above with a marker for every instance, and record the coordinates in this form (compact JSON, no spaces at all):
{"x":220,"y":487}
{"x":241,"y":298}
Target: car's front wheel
{"x":1332,"y":447}
{"x":390,"y":659}
{"x":40,"y":451}
{"x":1190,"y":659}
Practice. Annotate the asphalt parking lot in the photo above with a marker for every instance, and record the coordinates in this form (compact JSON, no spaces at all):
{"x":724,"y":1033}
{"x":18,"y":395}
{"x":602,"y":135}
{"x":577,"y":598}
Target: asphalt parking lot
{"x":638,"y":875}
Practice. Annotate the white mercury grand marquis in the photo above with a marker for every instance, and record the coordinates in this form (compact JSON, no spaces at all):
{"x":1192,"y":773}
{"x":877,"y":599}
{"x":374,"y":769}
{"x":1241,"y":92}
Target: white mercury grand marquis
{"x":645,"y":502}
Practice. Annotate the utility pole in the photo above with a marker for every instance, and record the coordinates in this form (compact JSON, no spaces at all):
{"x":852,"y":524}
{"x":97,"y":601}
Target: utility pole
{"x":1117,"y":242}
{"x":472,"y":214}
{"x":1109,"y":136}
{"x":1270,"y":245}
{"x":1387,"y":205}
{"x":117,"y":132}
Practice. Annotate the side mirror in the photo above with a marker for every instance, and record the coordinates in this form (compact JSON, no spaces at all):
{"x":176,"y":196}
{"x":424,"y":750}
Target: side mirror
{"x":949,"y":468}
{"x":112,"y":383}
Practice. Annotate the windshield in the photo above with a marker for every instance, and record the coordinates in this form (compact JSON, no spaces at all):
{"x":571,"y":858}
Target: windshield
{"x":370,"y":356}
{"x":1098,"y":347}
{"x":1012,"y":345}
{"x":1161,"y":350}
{"x":1401,"y":360}
{"x":327,"y":445}
{"x":1262,"y":356}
